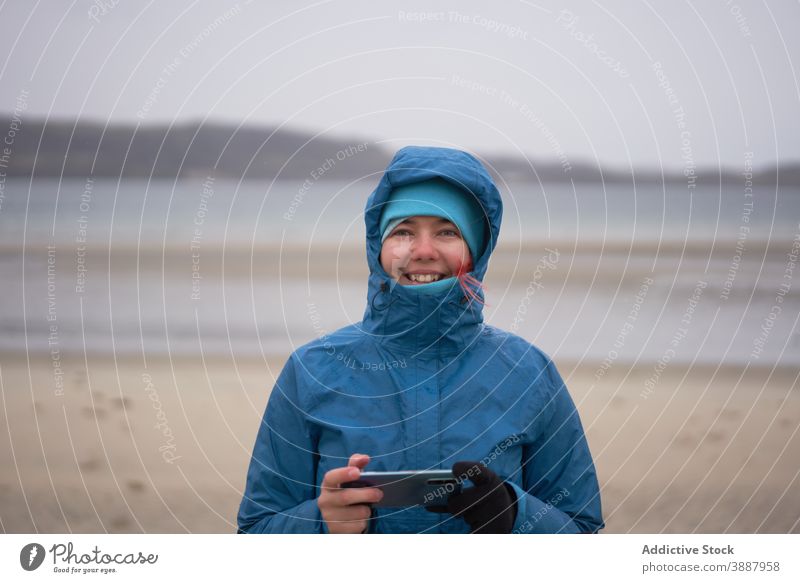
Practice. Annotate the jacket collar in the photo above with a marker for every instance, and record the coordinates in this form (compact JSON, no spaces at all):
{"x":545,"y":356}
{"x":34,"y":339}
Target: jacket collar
{"x":420,"y":325}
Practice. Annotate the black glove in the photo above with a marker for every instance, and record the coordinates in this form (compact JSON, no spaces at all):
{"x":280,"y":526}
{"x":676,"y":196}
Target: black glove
{"x":490,"y":507}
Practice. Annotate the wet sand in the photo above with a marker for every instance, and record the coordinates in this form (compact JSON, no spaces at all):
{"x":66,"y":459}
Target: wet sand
{"x":164,"y":448}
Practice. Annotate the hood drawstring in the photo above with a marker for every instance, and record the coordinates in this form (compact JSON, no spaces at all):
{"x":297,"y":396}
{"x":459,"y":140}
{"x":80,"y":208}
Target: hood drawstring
{"x":386,"y":303}
{"x":469,"y":284}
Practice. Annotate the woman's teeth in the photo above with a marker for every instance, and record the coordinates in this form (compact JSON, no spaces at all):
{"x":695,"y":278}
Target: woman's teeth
{"x":423,"y":278}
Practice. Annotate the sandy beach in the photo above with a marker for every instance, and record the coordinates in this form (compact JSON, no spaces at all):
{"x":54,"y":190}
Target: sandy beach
{"x":123,"y":447}
{"x":706,"y":443}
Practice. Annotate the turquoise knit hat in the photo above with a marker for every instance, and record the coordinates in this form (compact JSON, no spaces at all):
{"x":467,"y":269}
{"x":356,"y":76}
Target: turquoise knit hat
{"x":437,"y":198}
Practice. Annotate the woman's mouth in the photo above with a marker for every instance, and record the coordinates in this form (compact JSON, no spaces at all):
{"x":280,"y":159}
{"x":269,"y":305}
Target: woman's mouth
{"x":422,"y":277}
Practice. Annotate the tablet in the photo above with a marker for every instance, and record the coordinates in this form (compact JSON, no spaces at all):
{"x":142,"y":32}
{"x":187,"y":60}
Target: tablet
{"x":409,"y":488}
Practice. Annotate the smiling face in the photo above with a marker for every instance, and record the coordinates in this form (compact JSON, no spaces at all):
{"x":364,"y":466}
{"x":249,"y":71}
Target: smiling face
{"x":424,"y":249}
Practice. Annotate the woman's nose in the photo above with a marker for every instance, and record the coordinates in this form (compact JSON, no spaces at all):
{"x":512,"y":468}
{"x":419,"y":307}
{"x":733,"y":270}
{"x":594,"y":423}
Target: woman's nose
{"x":423,"y":247}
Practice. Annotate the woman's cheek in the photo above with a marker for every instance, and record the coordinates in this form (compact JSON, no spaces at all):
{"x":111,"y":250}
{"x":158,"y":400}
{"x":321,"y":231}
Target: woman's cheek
{"x":386,"y":261}
{"x":463,"y":266}
{"x":393,"y":259}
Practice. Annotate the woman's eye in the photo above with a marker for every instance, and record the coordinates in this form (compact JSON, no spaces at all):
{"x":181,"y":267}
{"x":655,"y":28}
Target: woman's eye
{"x":449,"y":233}
{"x":401,"y":233}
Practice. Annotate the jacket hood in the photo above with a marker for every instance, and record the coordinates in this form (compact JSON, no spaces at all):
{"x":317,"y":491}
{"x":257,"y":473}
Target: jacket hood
{"x":403,"y":317}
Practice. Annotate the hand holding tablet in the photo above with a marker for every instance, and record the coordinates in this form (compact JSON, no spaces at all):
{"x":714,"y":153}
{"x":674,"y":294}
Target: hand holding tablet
{"x":488,"y":506}
{"x":409,"y":488}
{"x":348,"y":495}
{"x":347,"y":510}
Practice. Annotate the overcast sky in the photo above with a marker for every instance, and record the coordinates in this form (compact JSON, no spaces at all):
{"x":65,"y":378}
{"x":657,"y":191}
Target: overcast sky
{"x":619,"y":83}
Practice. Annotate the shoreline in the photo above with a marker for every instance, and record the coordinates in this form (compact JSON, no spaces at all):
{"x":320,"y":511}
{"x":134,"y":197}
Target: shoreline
{"x":584,"y":367}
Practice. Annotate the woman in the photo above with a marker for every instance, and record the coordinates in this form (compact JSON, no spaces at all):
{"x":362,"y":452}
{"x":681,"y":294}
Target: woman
{"x":422,"y":383}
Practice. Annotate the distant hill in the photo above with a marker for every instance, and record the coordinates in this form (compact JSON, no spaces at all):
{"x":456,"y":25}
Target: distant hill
{"x":188,"y":149}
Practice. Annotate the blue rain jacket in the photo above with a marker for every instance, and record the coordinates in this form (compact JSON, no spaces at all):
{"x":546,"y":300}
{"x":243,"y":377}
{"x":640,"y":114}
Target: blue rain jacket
{"x":420,"y":383}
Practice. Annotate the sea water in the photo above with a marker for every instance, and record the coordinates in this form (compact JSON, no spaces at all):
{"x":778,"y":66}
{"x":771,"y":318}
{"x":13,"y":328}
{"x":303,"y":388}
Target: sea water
{"x":598,"y":273}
